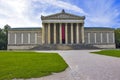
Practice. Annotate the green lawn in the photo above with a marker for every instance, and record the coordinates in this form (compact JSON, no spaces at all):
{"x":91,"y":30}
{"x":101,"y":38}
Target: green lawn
{"x":29,"y":64}
{"x":114,"y":53}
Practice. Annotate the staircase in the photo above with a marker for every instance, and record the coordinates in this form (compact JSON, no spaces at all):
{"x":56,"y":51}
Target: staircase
{"x":64,"y":47}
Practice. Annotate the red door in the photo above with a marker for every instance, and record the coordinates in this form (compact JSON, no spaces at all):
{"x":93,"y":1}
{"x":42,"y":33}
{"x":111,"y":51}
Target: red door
{"x":63,"y":33}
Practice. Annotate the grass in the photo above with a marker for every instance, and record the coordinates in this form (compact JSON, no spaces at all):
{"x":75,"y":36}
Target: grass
{"x":114,"y":53}
{"x":29,"y":64}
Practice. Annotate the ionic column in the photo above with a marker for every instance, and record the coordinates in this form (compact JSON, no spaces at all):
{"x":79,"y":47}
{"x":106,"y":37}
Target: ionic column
{"x":60,"y":29}
{"x":82,"y":32}
{"x":48,"y":33}
{"x":77,"y":33}
{"x":66,"y":34}
{"x":71,"y":33}
{"x":43,"y":32}
{"x":54,"y":33}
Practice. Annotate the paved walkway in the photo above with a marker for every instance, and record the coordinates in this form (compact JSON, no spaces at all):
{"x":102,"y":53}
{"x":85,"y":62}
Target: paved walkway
{"x":86,"y":66}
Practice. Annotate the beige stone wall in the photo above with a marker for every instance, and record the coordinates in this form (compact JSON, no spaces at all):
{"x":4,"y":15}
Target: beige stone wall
{"x":99,"y":36}
{"x":20,"y":47}
{"x":24,"y":39}
{"x":106,"y":46}
{"x":27,"y":39}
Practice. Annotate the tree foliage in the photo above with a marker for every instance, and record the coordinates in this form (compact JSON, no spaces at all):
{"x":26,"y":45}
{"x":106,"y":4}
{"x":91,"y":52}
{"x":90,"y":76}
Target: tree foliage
{"x":117,"y":38}
{"x":2,"y":40}
{"x":6,"y":27}
{"x":3,"y":37}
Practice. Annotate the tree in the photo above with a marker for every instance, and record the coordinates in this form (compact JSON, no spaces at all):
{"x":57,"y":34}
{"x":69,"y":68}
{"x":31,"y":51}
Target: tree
{"x":117,"y":38}
{"x":3,"y":37}
{"x":6,"y":28}
{"x":2,"y":40}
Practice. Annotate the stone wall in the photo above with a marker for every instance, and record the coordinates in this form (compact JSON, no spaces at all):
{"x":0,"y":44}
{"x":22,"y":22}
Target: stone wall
{"x":24,"y":38}
{"x":21,"y":39}
{"x":21,"y":47}
{"x":105,"y":46}
{"x":100,"y":37}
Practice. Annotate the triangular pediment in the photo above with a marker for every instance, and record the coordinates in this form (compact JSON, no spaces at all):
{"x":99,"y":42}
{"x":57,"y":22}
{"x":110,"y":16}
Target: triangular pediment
{"x":63,"y":15}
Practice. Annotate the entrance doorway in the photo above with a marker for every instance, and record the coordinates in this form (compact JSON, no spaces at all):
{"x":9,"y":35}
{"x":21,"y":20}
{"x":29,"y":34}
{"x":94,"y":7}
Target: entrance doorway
{"x":63,"y":33}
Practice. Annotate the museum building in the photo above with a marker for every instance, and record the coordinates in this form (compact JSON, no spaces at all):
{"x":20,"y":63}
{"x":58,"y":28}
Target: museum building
{"x":59,"y":31}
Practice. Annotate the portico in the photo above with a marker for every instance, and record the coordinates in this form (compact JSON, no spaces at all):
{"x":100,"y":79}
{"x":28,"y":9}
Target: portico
{"x":62,"y":28}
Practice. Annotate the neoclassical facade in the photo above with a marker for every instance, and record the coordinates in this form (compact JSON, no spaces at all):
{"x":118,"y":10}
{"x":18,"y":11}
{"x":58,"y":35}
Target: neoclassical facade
{"x":61,"y":29}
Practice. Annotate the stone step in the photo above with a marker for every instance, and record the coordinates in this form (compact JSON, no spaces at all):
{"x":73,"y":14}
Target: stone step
{"x":64,"y":47}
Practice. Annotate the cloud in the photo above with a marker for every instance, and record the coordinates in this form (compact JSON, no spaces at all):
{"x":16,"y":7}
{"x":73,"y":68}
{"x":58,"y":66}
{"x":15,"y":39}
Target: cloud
{"x":27,"y":13}
{"x":21,"y":13}
{"x":16,"y":13}
{"x":102,"y":13}
{"x":61,"y":4}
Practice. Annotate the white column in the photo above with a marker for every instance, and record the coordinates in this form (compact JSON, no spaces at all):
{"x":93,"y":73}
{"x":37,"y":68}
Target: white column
{"x":54,"y":33}
{"x":48,"y":33}
{"x":101,"y":35}
{"x":28,"y":38}
{"x":8,"y":38}
{"x":82,"y":32}
{"x":66,"y":33}
{"x":113,"y":37}
{"x":35,"y":38}
{"x":95,"y":37}
{"x":77,"y":33}
{"x":43,"y":33}
{"x":71,"y":33}
{"x":107,"y":37}
{"x":15,"y":38}
{"x":21,"y":38}
{"x":60,"y":33}
{"x":88,"y":38}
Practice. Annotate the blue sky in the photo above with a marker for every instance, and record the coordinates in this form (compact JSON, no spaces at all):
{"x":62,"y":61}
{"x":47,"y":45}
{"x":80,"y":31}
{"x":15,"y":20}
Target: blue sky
{"x":27,"y":13}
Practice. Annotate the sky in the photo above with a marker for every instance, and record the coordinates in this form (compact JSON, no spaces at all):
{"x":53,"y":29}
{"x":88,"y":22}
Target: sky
{"x":27,"y":13}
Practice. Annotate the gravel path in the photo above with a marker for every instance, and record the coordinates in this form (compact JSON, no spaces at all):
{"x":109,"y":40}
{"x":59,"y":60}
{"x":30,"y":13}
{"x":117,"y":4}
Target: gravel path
{"x":86,"y":66}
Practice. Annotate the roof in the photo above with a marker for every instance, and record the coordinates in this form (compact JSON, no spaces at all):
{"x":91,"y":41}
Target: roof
{"x":26,"y":28}
{"x":39,"y":28}
{"x":98,"y":28}
{"x":62,"y":15}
